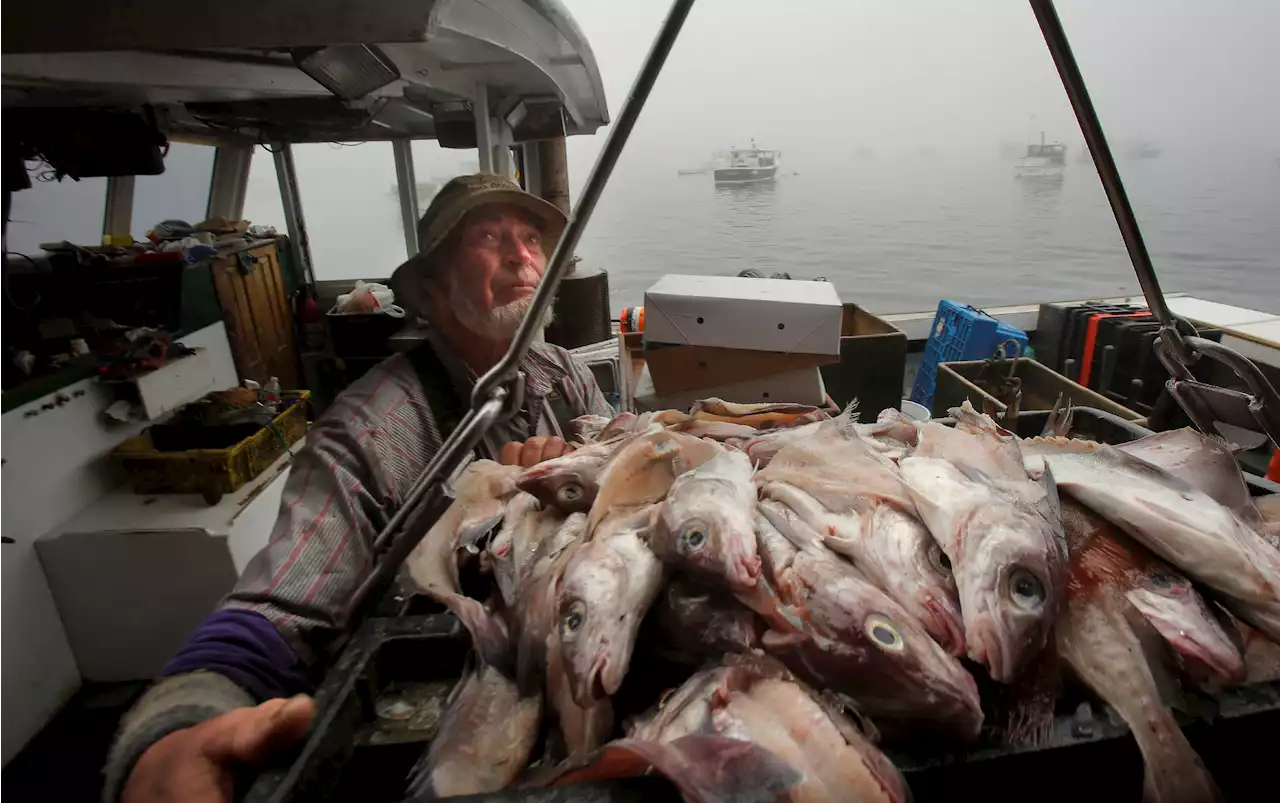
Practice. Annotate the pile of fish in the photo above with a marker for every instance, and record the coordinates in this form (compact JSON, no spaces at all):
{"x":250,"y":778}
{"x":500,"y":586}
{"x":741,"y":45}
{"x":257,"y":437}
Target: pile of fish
{"x":809,"y":575}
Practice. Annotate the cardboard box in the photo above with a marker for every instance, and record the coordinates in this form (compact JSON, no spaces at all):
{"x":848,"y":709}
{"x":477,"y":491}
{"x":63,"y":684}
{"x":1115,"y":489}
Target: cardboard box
{"x":873,"y":355}
{"x":780,"y":315}
{"x":677,"y":368}
{"x":798,"y":387}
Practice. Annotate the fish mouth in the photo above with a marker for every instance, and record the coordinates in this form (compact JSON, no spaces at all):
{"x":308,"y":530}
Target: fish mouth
{"x":596,"y":688}
{"x":943,"y":626}
{"x":745,"y":572}
{"x":1204,"y":662}
{"x":984,"y":647}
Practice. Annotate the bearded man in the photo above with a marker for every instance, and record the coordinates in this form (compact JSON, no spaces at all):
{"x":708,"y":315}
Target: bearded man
{"x":235,"y":693}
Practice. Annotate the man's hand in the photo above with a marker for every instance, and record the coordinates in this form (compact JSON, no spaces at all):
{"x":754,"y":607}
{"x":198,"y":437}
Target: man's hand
{"x":197,"y":764}
{"x":533,"y":451}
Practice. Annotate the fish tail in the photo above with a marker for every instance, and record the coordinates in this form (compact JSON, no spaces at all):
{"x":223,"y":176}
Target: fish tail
{"x":1174,"y":772}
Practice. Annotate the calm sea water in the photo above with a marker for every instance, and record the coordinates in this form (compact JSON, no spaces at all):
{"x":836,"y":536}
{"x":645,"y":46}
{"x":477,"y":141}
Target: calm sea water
{"x":894,"y":231}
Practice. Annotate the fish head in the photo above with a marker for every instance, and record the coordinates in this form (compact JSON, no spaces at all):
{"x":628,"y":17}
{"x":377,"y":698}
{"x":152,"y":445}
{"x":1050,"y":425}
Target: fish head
{"x":851,"y":637}
{"x":709,"y":534}
{"x":607,"y":588}
{"x":1011,"y":583}
{"x":923,"y":679}
{"x":934,"y":599}
{"x":589,"y":606}
{"x":570,"y":486}
{"x":1202,"y":643}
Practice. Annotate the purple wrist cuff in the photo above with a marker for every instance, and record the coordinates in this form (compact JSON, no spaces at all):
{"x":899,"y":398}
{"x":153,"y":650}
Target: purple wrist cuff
{"x":247,"y":649}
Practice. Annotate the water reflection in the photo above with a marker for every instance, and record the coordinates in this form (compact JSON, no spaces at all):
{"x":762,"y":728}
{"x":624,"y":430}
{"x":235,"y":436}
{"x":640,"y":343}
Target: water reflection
{"x":1040,"y":204}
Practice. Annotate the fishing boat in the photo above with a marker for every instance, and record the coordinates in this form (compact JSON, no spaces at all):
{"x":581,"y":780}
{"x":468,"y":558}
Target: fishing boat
{"x":748,"y":166}
{"x":1042,"y":160}
{"x":522,"y":78}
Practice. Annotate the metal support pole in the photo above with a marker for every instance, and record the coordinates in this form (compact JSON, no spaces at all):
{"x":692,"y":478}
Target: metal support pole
{"x":407,"y":186}
{"x":502,"y":160}
{"x":484,"y":129}
{"x":231,"y":164}
{"x":117,"y":217}
{"x":532,"y":170}
{"x":1056,"y":38}
{"x":553,"y":158}
{"x":561,"y":259}
{"x":287,"y":178}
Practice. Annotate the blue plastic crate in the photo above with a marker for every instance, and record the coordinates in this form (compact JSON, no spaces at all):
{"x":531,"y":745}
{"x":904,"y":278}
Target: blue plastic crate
{"x":961,"y":332}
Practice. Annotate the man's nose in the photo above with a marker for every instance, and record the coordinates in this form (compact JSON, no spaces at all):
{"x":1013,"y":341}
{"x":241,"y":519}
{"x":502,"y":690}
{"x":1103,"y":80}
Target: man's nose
{"x":519,"y":258}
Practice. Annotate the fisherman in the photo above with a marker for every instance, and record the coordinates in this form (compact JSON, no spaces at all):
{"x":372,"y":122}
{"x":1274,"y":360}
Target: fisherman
{"x":233,"y":696}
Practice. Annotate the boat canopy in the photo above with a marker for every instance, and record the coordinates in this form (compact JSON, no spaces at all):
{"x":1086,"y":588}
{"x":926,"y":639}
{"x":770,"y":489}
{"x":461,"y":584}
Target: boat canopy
{"x":312,"y":70}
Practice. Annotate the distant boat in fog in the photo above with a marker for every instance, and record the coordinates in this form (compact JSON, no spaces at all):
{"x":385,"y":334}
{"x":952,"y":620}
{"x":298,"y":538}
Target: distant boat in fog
{"x":748,"y":166}
{"x":1143,"y":149}
{"x":1043,"y":160}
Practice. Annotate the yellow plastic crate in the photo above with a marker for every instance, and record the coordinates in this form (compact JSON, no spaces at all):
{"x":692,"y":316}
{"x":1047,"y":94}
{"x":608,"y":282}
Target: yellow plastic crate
{"x":213,"y":472}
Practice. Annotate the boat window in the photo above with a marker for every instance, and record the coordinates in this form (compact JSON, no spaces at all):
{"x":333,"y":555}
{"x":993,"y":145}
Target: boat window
{"x":53,"y":211}
{"x":433,"y":166}
{"x":181,"y":192}
{"x":349,"y":202}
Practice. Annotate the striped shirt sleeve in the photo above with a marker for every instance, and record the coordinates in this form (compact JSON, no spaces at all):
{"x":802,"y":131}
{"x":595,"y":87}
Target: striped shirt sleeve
{"x":360,"y":459}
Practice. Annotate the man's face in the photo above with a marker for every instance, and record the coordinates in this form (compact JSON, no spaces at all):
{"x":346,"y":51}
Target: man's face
{"x":493,"y":268}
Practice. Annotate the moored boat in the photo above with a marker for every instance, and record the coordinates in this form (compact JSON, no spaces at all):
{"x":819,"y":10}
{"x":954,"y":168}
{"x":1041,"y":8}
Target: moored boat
{"x":1043,"y":160}
{"x":748,"y":166}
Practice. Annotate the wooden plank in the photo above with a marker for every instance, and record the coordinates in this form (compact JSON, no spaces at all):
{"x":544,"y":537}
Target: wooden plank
{"x":256,"y":312}
{"x":286,"y":353}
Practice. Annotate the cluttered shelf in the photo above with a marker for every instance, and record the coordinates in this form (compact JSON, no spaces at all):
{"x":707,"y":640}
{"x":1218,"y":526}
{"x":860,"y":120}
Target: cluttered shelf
{"x":117,"y":310}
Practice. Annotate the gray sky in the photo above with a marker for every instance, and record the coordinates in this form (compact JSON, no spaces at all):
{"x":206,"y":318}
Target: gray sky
{"x":818,"y":75}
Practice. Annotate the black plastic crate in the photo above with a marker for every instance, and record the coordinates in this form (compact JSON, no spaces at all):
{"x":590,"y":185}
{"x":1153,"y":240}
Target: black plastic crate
{"x":1074,"y":332}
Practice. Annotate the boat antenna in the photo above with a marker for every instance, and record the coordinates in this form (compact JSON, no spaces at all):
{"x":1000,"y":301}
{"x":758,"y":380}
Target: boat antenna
{"x":1205,"y":404}
{"x":499,"y":393}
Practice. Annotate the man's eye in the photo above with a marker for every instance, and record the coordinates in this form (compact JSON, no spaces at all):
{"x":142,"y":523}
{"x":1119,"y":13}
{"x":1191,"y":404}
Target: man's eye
{"x":533,"y":239}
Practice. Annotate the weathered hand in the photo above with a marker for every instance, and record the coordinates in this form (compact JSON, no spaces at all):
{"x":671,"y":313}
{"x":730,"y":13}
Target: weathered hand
{"x":533,"y":451}
{"x":197,"y":764}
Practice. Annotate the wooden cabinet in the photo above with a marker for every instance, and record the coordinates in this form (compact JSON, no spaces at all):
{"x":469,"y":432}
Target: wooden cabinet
{"x":255,"y":309}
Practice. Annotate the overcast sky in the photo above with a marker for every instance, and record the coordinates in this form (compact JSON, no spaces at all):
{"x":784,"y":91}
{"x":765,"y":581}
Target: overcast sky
{"x":815,"y":75}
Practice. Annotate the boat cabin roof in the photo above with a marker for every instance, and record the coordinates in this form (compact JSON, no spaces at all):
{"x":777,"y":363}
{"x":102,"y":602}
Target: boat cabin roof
{"x":252,"y":69}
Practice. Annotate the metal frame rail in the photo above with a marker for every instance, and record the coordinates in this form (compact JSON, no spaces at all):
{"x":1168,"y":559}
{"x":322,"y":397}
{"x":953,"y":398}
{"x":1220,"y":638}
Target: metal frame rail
{"x":499,"y":392}
{"x":1205,"y":404}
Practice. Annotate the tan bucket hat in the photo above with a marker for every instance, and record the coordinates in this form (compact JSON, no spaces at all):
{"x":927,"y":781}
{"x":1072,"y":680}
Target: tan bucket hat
{"x":448,"y":208}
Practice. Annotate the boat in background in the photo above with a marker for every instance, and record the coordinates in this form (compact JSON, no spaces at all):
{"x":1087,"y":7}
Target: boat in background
{"x":1143,"y":149}
{"x":1045,"y":160}
{"x":748,"y":166}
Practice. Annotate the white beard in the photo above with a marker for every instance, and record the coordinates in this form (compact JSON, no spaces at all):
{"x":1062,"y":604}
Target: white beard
{"x":502,"y":322}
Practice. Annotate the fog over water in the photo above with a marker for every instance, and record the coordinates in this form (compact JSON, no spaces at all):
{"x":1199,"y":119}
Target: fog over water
{"x":899,"y":125}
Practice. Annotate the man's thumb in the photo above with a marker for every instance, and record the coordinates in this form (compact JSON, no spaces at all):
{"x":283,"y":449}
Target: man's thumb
{"x":254,"y":735}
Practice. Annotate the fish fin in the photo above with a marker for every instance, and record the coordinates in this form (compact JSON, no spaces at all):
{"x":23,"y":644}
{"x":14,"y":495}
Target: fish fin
{"x":705,"y":768}
{"x":1052,"y":500}
{"x":479,"y":522}
{"x":1028,"y":703}
{"x":778,"y":641}
{"x":489,"y":634}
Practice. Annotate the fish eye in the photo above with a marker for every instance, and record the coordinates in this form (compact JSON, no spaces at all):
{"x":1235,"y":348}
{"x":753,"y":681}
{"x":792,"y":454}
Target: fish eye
{"x":570,"y":492}
{"x":693,"y":537}
{"x":571,"y":621}
{"x":940,"y":560}
{"x":1166,"y":584}
{"x":884,"y":633}
{"x":1026,"y":590}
